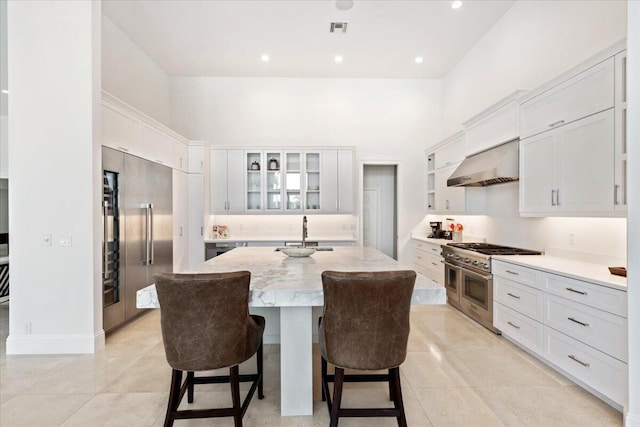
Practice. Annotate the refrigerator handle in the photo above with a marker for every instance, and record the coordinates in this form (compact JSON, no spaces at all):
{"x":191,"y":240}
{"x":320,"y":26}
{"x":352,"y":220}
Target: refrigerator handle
{"x":151,"y":241}
{"x":105,"y":239}
{"x":147,"y":225}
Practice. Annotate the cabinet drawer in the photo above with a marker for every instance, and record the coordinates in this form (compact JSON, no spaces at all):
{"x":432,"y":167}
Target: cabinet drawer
{"x":516,"y":273}
{"x":525,"y":331}
{"x":590,"y":294}
{"x":427,"y":247}
{"x":521,"y":298}
{"x":582,"y":95}
{"x":420,"y":258}
{"x":435,"y":264}
{"x":596,"y":369}
{"x":604,"y":331}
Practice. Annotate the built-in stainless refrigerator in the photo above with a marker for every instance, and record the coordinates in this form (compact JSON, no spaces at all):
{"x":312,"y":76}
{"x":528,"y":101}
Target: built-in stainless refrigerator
{"x":138,"y":230}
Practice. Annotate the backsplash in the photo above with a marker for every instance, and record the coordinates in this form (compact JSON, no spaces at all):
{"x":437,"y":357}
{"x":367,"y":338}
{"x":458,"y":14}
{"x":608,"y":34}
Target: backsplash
{"x":284,"y":225}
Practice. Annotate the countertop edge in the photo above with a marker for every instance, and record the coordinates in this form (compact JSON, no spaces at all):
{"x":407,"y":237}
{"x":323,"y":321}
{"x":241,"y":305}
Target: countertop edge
{"x":525,"y":261}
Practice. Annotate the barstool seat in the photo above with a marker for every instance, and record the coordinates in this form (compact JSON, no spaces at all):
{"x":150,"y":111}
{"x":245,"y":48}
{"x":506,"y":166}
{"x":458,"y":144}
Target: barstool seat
{"x":365,"y":326}
{"x":206,"y":325}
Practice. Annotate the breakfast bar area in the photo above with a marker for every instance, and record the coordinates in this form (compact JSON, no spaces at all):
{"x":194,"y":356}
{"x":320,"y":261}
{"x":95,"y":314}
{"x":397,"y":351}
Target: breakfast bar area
{"x":294,"y":286}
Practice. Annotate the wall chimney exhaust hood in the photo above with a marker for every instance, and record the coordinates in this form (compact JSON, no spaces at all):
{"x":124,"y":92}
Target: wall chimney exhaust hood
{"x":493,"y":166}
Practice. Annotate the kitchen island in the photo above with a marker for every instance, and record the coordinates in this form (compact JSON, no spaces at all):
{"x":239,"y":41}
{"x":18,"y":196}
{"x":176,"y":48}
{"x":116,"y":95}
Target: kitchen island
{"x":295,"y":286}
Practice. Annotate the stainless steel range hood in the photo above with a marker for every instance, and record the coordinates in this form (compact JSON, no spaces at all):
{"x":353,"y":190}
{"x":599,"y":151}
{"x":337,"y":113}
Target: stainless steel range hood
{"x":493,"y":166}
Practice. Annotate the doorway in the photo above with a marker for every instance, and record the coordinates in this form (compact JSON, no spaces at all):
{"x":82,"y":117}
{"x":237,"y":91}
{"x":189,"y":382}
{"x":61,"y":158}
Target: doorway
{"x":379,"y":208}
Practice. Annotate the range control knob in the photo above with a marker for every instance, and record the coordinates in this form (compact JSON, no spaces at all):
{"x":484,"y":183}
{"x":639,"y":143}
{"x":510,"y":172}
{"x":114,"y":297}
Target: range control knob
{"x":475,"y":263}
{"x":485,"y":266}
{"x":467,"y":260}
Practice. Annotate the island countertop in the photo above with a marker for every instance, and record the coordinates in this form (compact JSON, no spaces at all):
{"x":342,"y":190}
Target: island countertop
{"x":280,"y":281}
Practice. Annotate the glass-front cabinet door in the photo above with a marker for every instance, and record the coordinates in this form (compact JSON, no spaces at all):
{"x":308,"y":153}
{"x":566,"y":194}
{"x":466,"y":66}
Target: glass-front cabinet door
{"x":293,"y":181}
{"x":254,"y":166}
{"x":273,"y":162}
{"x":312,"y":181}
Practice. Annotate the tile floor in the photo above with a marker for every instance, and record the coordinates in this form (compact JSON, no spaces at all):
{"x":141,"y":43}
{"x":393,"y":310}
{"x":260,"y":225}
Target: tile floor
{"x":456,"y":374}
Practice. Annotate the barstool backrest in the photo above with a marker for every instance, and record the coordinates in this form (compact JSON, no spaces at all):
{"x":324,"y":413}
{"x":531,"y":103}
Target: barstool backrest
{"x":365,"y":324}
{"x":205,"y":319}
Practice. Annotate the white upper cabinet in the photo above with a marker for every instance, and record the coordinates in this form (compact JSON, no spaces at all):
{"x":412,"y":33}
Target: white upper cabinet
{"x":452,"y":152}
{"x":196,"y":158}
{"x":569,"y":170}
{"x":495,"y":125}
{"x":448,"y":199}
{"x":156,"y":146}
{"x":586,"y":93}
{"x":180,"y":156}
{"x":227,"y":181}
{"x":620,"y":145}
{"x":120,"y":131}
{"x":337,"y":181}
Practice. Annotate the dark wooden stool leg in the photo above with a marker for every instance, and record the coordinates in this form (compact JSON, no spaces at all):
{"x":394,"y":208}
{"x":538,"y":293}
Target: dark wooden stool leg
{"x":337,"y":396}
{"x":398,"y":403}
{"x":235,"y":396}
{"x":190,"y":376}
{"x":392,"y":391}
{"x":323,"y":376}
{"x":174,"y":397}
{"x":259,"y":358}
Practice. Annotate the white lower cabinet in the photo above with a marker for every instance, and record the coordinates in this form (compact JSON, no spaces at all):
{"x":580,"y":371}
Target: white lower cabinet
{"x":427,"y":260}
{"x":598,"y":370}
{"x":576,"y":326}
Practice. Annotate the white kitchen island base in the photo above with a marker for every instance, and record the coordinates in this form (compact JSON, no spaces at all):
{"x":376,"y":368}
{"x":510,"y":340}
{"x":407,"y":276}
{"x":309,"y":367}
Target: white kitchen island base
{"x":294,"y":285}
{"x":296,"y":361}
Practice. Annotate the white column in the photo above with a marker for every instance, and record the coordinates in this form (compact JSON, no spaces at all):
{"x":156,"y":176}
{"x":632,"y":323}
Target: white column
{"x":296,"y":359}
{"x":54,"y":177}
{"x":632,"y":418}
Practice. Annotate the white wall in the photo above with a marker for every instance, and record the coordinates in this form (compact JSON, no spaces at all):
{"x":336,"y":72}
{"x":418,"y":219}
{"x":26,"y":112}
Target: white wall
{"x":533,"y":42}
{"x":633,"y":104}
{"x":55,"y":185}
{"x":129,"y":74}
{"x":384,"y":119}
{"x":4,"y":133}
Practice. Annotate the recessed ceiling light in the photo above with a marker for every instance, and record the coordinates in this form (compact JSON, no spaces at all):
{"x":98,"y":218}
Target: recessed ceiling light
{"x":419,"y":59}
{"x":338,"y":59}
{"x":265,"y":57}
{"x":344,"y":4}
{"x":5,"y":91}
{"x":456,"y":4}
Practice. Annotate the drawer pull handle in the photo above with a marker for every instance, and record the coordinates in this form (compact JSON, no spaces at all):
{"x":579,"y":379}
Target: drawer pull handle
{"x":576,"y":291}
{"x":513,"y":296}
{"x":575,"y":359}
{"x":433,"y":263}
{"x":419,"y":257}
{"x":578,"y":322}
{"x":559,"y":122}
{"x":514,"y":325}
{"x":515,"y":273}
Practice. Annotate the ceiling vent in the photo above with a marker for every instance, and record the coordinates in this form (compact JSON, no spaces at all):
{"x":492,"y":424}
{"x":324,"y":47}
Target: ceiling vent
{"x":338,"y":27}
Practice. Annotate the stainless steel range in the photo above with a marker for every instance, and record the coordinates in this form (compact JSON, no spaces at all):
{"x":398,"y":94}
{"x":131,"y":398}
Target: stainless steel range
{"x":468,"y":277}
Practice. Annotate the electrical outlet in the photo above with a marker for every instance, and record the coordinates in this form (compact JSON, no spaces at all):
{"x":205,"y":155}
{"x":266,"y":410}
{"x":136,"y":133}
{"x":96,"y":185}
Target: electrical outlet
{"x":65,"y":240}
{"x":27,"y":328}
{"x":572,"y":239}
{"x":241,"y":226}
{"x":46,"y":240}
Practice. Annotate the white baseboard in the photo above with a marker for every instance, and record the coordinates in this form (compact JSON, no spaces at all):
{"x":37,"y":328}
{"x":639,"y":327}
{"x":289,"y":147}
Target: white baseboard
{"x":55,"y":344}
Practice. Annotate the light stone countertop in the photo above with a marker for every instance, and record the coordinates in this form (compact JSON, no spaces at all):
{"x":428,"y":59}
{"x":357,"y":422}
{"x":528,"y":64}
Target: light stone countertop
{"x":280,"y":281}
{"x":4,"y":259}
{"x":580,"y":270}
{"x":284,"y":238}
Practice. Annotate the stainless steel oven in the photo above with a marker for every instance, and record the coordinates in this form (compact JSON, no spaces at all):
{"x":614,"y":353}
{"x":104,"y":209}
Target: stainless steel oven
{"x":468,"y":278}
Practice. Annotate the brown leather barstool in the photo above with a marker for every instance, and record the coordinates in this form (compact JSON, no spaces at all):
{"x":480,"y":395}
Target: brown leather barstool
{"x":206,"y":325}
{"x":365,"y":326}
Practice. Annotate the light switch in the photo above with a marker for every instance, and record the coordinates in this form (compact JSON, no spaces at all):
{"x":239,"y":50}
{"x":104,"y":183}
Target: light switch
{"x":65,"y":240}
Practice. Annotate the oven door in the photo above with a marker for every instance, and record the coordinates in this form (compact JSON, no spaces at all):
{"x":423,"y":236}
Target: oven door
{"x":477,"y":289}
{"x":452,"y":284}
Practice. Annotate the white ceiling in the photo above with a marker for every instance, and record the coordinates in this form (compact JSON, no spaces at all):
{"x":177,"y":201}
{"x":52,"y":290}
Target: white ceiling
{"x":227,"y":38}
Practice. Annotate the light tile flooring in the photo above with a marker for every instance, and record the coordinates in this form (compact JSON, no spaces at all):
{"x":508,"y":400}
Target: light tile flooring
{"x":456,"y":374}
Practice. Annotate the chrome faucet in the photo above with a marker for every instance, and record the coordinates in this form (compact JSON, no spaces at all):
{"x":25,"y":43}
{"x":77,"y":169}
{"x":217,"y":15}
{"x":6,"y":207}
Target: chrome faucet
{"x":304,"y":231}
